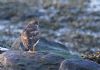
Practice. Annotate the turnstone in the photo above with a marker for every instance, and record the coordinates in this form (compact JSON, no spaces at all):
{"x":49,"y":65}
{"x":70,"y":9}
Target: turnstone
{"x":29,"y":37}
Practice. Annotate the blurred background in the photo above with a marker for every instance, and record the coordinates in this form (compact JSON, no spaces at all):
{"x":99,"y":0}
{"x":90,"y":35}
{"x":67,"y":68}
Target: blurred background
{"x":75,"y":23}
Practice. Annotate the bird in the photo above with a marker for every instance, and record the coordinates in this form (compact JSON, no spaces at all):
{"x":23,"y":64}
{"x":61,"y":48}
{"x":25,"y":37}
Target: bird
{"x":29,"y":37}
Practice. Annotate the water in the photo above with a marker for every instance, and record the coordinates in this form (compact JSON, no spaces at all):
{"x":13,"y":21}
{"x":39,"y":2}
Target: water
{"x":94,"y":5}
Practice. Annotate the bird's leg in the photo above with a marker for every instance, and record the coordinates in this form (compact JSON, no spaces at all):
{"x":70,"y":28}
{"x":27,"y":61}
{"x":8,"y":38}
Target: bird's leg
{"x":33,"y":49}
{"x":35,"y":44}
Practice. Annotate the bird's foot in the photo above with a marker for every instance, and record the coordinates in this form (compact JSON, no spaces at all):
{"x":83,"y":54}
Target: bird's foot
{"x":31,"y":51}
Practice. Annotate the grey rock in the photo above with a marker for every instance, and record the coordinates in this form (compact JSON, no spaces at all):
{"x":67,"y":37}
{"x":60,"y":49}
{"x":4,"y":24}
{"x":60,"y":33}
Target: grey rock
{"x":45,"y":45}
{"x":52,"y":47}
{"x":76,"y":64}
{"x":20,"y":60}
{"x":56,"y":48}
{"x":47,"y":56}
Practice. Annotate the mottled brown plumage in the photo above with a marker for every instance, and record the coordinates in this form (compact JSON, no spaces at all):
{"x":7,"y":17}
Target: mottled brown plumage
{"x":30,"y":35}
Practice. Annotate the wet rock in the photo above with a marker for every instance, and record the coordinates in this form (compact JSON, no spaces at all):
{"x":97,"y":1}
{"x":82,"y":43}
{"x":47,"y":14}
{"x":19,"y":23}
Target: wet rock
{"x":45,"y":45}
{"x":51,"y":46}
{"x":75,"y":64}
{"x":19,"y":60}
{"x":47,"y":56}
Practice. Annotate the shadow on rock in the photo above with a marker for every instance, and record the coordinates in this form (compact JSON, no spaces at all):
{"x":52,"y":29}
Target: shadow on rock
{"x":75,"y":64}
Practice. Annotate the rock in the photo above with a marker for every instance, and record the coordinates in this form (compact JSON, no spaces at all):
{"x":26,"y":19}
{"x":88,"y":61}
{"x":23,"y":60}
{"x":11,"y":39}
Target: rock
{"x":92,"y":55}
{"x":75,"y":64}
{"x":52,"y":47}
{"x":47,"y":56}
{"x":20,"y":60}
{"x":45,"y":45}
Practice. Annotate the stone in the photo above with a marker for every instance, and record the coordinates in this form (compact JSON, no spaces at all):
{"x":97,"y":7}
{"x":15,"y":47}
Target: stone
{"x":45,"y":45}
{"x":52,"y":47}
{"x":92,"y":55}
{"x":21,"y":60}
{"x":76,"y":64}
{"x":47,"y":56}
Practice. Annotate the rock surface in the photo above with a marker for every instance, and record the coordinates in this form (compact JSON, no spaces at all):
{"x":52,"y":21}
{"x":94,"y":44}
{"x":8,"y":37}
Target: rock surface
{"x":19,"y":60}
{"x":45,"y":45}
{"x":52,"y":47}
{"x":74,"y":64}
{"x":47,"y":56}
